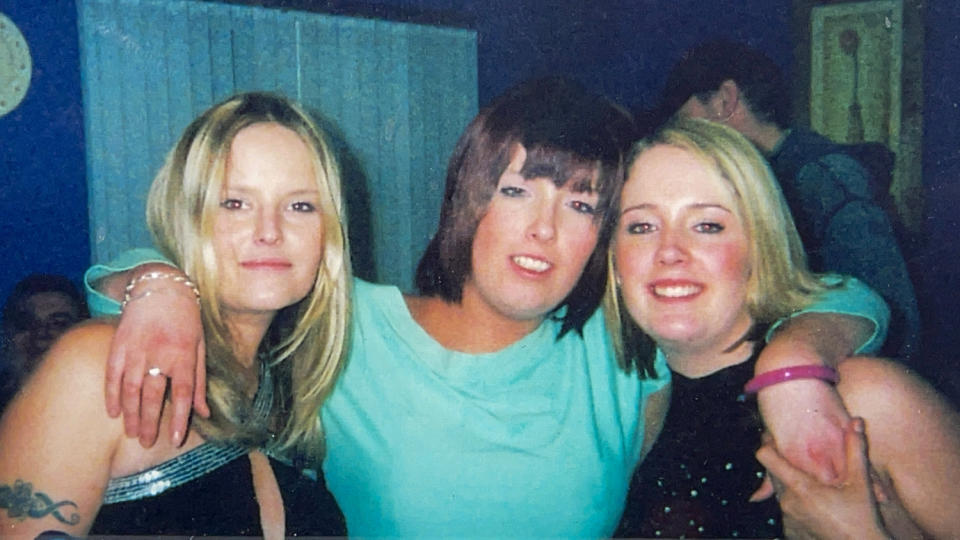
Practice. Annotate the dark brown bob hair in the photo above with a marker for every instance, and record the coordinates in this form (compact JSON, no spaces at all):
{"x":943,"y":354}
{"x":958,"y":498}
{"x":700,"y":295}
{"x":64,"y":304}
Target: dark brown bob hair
{"x":570,"y":135}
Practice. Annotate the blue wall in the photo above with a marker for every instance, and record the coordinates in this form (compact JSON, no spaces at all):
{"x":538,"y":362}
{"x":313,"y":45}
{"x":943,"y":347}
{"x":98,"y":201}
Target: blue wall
{"x":43,"y":194}
{"x":621,"y":47}
{"x":939,"y":276}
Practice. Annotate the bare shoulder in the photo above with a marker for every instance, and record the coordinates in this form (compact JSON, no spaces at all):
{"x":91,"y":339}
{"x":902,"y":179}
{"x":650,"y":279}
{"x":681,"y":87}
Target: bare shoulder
{"x":92,"y":334}
{"x":85,"y":346}
{"x":74,"y":366}
{"x":65,"y":393}
{"x":56,"y":437}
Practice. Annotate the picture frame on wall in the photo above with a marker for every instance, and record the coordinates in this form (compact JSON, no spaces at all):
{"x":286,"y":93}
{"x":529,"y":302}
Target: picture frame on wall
{"x":857,"y":89}
{"x":855,"y":65}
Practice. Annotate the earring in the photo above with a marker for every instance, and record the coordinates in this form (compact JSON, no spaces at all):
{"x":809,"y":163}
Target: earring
{"x":725,"y":119}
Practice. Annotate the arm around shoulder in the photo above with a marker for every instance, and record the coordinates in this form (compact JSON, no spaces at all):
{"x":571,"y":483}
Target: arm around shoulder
{"x":913,"y":435}
{"x":104,"y":283}
{"x":166,"y":334}
{"x":56,"y":440}
{"x":849,"y":312}
{"x":806,"y":417}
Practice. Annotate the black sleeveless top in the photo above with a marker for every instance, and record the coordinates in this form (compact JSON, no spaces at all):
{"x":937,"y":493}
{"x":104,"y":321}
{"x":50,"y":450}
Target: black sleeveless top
{"x":208,"y":491}
{"x":219,"y":502}
{"x":699,"y":475}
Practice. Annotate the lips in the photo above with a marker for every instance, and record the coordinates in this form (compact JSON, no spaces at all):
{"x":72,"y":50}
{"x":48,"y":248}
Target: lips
{"x":675,"y":289}
{"x":267,"y":264}
{"x":531,"y":264}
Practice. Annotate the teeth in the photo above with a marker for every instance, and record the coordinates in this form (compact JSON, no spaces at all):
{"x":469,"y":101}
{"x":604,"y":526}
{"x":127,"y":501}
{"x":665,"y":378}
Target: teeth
{"x":676,"y":291}
{"x":529,"y":263}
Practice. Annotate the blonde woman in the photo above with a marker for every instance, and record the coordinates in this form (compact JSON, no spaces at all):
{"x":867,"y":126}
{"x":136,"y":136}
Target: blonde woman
{"x":706,"y":256}
{"x":248,"y":204}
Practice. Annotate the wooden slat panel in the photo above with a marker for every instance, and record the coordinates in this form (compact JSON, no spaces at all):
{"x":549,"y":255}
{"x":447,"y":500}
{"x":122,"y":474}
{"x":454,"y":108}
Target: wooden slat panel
{"x":394,"y":97}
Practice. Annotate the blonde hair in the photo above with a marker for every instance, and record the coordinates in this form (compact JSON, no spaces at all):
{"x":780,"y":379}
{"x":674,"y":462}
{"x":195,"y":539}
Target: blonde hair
{"x":779,"y":282}
{"x":306,"y":341}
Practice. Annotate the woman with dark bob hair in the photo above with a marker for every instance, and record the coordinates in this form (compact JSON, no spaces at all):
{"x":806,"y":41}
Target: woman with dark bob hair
{"x":572,"y":137}
{"x":491,"y":404}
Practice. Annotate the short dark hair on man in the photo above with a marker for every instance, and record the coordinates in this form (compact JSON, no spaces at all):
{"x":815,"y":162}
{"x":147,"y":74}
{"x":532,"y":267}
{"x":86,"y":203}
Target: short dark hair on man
{"x":15,"y":315}
{"x":701,"y":71}
{"x":570,"y":135}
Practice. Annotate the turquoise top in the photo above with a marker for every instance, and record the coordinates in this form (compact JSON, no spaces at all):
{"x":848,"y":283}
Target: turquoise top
{"x":100,"y":304}
{"x":537,"y":439}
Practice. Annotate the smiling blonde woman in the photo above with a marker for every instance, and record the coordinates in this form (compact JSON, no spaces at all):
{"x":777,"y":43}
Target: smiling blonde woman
{"x":706,"y":257}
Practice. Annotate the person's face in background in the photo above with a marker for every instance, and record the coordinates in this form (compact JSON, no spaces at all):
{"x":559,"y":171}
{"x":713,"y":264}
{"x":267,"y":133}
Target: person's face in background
{"x":44,"y":318}
{"x":682,"y":252}
{"x":531,"y":245}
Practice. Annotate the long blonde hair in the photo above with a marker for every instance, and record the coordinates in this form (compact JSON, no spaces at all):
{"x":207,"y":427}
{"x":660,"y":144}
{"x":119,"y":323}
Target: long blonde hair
{"x":780,"y":282}
{"x":306,"y":341}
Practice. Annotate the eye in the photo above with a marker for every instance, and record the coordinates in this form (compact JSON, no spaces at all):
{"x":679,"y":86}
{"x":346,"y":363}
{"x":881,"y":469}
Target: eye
{"x":303,"y":206}
{"x":640,"y":227}
{"x":583,"y":207}
{"x":708,"y":227}
{"x":231,"y":204}
{"x":513,"y":191}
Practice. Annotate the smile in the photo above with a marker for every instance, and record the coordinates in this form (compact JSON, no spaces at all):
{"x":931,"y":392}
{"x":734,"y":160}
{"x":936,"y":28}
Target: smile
{"x":531,"y":264}
{"x":676,"y":291}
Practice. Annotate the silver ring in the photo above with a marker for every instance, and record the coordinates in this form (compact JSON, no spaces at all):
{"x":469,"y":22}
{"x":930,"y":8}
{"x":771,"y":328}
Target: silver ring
{"x":154,"y":371}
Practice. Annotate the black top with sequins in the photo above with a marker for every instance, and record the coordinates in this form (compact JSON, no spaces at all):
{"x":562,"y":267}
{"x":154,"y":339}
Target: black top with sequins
{"x":217,"y":502}
{"x":698,"y":477}
{"x":209,"y":491}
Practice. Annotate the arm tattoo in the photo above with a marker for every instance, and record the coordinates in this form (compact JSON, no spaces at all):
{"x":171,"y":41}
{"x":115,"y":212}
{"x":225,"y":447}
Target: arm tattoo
{"x":21,"y":503}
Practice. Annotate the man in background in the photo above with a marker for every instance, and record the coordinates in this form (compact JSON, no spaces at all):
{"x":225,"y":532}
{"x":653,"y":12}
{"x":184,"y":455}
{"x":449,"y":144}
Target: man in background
{"x":40,"y":309}
{"x":833,"y":190}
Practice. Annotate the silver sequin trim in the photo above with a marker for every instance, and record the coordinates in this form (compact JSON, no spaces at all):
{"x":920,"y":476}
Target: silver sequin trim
{"x":191,"y":465}
{"x":169,"y":474}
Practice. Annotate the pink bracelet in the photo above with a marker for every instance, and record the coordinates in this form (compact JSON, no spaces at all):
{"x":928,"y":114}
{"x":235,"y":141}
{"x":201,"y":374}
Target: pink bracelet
{"x":791,"y":373}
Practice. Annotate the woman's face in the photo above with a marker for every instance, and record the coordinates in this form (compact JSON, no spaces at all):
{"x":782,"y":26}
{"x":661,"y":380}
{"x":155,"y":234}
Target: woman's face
{"x":681,"y":252}
{"x":268,"y":232}
{"x":531,"y":245}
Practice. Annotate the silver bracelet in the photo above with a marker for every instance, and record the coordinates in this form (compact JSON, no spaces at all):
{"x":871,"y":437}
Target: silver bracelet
{"x":128,"y":295}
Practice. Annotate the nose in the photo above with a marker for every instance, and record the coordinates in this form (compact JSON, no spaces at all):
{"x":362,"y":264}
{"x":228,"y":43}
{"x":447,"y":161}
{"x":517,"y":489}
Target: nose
{"x":671,"y":249}
{"x":543,"y":227}
{"x":268,"y":227}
